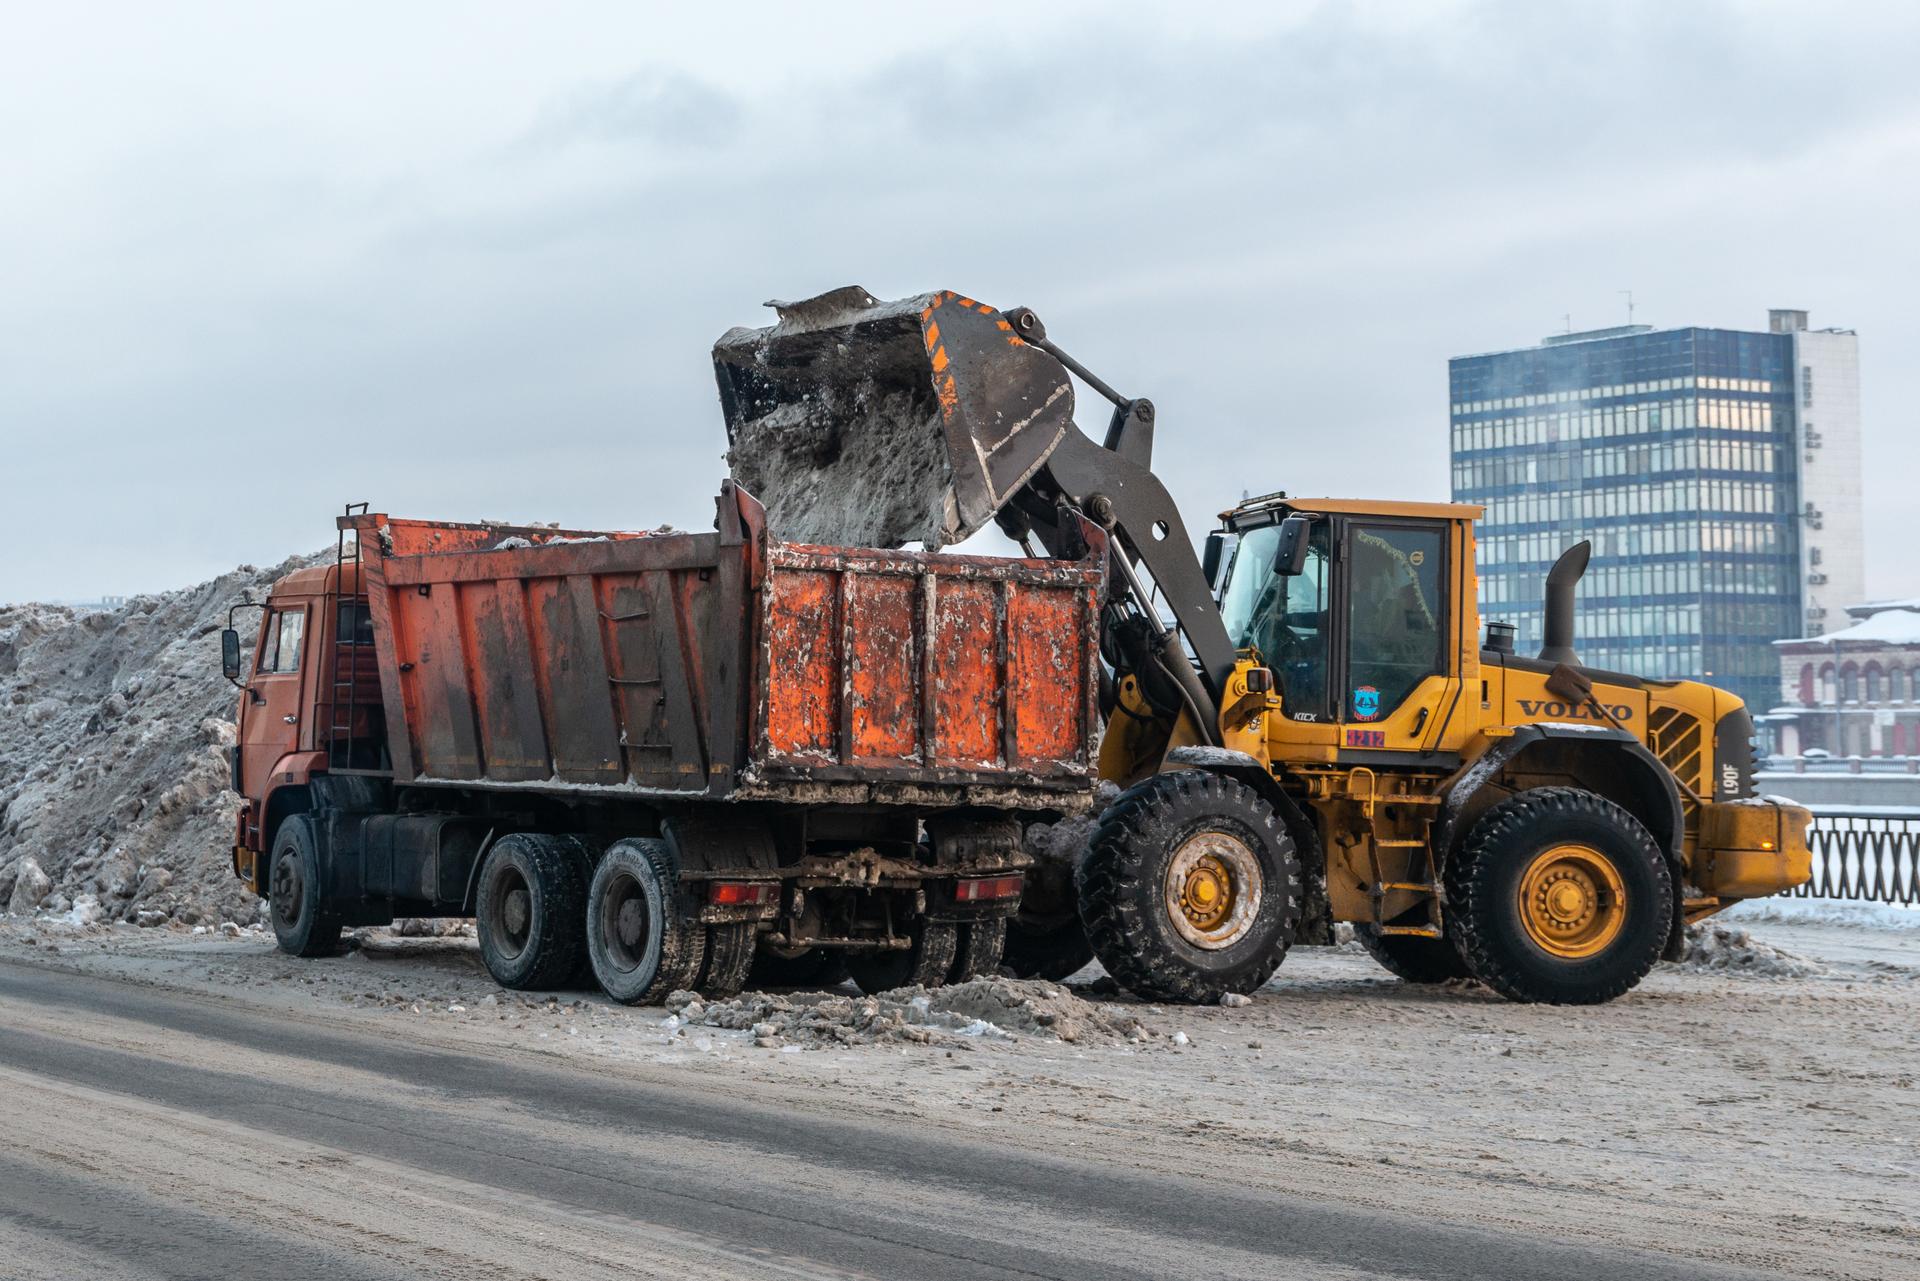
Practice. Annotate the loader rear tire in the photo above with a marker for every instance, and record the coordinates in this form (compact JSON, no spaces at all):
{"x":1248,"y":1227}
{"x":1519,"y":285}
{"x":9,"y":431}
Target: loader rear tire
{"x":1561,"y":897}
{"x":528,"y":911}
{"x":729,"y":960}
{"x":1038,"y":952}
{"x":641,"y":936}
{"x":1411,"y":958}
{"x":1191,"y":889}
{"x":926,"y":964}
{"x":296,"y":895}
{"x":813,"y":970}
{"x":979,"y":949}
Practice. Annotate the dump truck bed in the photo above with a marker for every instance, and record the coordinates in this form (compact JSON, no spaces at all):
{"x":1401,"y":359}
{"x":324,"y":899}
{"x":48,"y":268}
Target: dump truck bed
{"x":728,"y":666}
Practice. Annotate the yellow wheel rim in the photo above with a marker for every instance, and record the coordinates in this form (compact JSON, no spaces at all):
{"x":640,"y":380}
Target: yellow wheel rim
{"x":1573,"y":902}
{"x":1213,"y":890}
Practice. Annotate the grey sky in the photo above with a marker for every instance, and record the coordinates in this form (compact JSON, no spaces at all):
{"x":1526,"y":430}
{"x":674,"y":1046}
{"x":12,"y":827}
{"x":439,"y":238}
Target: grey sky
{"x":467,"y":260}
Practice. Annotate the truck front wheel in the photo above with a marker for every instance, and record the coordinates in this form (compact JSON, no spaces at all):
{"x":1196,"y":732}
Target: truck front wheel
{"x":528,"y":911}
{"x":1191,"y":889}
{"x":296,"y":893}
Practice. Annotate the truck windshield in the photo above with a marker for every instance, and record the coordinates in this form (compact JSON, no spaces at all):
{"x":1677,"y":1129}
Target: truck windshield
{"x":1283,"y":618}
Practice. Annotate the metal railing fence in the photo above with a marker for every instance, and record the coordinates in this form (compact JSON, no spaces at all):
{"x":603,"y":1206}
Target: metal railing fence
{"x":1864,"y":855}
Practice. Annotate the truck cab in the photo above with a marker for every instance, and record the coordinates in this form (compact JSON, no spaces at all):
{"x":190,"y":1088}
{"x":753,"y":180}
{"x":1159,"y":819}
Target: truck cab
{"x":309,"y":701}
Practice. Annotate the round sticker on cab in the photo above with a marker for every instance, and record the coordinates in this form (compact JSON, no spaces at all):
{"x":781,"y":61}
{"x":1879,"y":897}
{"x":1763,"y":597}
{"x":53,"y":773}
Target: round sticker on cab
{"x":1366,"y":703}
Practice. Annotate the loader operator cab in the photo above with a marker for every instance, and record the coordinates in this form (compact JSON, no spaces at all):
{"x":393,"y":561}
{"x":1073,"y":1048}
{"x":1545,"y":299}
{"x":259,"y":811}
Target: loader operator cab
{"x":1352,"y":628}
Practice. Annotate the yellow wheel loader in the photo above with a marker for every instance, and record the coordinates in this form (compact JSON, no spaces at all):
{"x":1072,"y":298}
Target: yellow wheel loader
{"x":1307,"y":723}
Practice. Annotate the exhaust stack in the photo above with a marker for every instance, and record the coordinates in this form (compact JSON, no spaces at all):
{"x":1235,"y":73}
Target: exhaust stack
{"x":1561,"y":580}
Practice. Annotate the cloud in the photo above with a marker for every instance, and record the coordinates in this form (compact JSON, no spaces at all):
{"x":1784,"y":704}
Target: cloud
{"x":483,"y":277}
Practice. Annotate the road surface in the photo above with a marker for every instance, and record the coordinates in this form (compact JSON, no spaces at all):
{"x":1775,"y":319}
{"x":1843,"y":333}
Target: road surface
{"x":155,"y":1133}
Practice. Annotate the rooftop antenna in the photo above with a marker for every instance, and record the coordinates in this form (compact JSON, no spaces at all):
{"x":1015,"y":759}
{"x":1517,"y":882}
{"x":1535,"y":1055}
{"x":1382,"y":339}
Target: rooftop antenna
{"x":1629,"y":294}
{"x":1569,"y":319}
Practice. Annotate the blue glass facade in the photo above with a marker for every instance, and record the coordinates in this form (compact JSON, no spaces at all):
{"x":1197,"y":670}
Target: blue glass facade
{"x":1673,"y":450}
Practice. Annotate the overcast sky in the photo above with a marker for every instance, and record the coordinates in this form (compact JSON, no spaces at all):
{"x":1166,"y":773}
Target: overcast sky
{"x":467,"y":260}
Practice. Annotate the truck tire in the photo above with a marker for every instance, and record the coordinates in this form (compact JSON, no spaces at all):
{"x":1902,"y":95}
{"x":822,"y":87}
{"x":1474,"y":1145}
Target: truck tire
{"x":296,"y":894}
{"x":978,"y":949}
{"x":1191,"y":889}
{"x":1559,"y":896}
{"x":1412,"y":958}
{"x":529,"y":909}
{"x":729,"y":959}
{"x":926,"y":964}
{"x":641,"y":935}
{"x":813,"y":969}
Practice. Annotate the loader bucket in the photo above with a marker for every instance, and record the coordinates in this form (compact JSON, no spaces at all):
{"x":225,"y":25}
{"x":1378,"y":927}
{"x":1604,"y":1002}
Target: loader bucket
{"x":867,"y":423}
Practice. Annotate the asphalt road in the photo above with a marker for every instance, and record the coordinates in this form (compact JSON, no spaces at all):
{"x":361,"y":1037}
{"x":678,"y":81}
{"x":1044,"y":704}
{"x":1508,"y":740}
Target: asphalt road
{"x":150,"y":1133}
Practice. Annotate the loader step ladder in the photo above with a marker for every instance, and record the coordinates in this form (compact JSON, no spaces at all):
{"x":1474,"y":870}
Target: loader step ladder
{"x":349,"y":608}
{"x":1411,"y":830}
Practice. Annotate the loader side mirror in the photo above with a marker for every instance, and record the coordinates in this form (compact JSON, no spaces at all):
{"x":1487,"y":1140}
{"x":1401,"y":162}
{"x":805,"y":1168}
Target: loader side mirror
{"x":230,"y":654}
{"x":1290,"y":557}
{"x":1217,"y":555}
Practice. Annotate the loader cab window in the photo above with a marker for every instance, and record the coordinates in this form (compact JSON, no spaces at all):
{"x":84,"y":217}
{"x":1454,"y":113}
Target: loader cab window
{"x":1284,"y":617}
{"x":1394,"y":615}
{"x":280,"y":650}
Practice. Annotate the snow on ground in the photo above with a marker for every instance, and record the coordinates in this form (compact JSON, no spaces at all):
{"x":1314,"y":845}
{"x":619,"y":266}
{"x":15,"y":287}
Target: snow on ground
{"x":1753,"y":1112}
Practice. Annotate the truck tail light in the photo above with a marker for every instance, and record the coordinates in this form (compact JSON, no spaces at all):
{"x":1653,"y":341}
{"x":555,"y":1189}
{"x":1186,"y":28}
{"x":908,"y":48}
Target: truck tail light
{"x":740,"y":893}
{"x":983,"y":889}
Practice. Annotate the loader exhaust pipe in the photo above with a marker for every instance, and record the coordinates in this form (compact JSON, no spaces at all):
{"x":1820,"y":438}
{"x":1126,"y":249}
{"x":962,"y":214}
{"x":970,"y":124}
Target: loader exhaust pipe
{"x":1561,"y":580}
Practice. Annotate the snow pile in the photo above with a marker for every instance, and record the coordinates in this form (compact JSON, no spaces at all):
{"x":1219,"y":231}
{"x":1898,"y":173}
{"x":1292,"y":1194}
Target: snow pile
{"x":114,"y":730}
{"x":1066,"y":841}
{"x":996,"y":1008}
{"x":1728,"y":949}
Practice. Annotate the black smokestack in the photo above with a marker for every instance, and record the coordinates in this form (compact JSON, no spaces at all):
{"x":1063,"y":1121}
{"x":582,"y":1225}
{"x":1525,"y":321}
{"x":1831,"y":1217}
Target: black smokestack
{"x":1561,"y":580}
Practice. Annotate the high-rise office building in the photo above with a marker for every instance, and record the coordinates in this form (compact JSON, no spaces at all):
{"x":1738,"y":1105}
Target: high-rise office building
{"x":1716,"y":471}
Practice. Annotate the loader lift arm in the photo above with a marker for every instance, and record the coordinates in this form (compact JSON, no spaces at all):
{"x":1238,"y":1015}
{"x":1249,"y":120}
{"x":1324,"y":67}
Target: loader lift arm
{"x":1114,"y":485}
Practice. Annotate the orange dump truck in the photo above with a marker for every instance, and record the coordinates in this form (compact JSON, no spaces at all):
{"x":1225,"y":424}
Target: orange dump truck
{"x":665,"y":758}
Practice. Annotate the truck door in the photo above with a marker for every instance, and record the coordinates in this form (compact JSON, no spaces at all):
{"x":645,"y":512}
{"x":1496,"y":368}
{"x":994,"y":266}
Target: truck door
{"x":272,"y":726}
{"x":1396,"y":624}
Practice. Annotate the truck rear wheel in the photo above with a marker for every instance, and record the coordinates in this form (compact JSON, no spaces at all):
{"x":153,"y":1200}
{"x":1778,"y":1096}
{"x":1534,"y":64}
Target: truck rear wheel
{"x":978,"y":949}
{"x":729,"y":959}
{"x":1559,"y":896}
{"x":528,"y":911}
{"x":925,"y":964}
{"x":641,"y":935}
{"x":1412,"y":958}
{"x":296,"y":894}
{"x":1191,"y":889}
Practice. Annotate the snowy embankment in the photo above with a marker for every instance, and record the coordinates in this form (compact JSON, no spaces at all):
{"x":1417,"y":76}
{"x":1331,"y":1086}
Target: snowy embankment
{"x":114,"y":735}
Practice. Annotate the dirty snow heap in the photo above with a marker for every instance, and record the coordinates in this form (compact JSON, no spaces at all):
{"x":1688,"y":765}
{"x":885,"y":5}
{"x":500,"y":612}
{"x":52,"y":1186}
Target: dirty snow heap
{"x":114,"y":730}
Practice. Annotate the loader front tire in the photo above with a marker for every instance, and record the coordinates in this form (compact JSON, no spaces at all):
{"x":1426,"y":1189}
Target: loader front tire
{"x":1411,"y":958}
{"x":641,"y":935}
{"x":1561,"y":897}
{"x":531,"y":897}
{"x":296,"y":893}
{"x":1191,"y":889}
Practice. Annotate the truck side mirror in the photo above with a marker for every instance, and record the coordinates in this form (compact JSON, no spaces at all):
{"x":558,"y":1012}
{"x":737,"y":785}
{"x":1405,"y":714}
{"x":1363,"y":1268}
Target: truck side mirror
{"x":1290,"y":557}
{"x":230,"y":654}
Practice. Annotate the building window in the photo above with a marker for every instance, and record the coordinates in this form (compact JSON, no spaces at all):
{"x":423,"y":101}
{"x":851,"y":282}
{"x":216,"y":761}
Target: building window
{"x":1806,"y":682}
{"x":1850,"y":684}
{"x":1873,"y":683}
